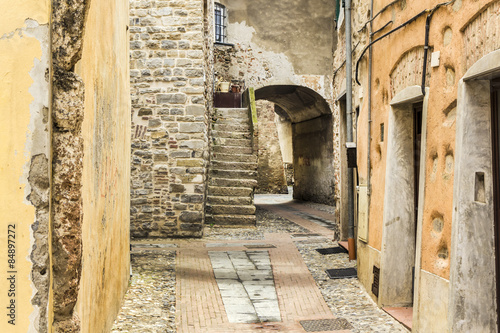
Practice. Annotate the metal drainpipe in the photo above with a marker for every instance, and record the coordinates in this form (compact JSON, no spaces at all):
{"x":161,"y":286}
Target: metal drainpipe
{"x":368,"y":154}
{"x":350,"y":189}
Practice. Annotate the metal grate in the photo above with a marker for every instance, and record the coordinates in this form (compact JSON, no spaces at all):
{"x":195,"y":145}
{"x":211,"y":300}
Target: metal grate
{"x":332,"y":250}
{"x":376,"y":279}
{"x":342,"y":273}
{"x":325,"y":325}
{"x":306,"y":235}
{"x":220,"y":23}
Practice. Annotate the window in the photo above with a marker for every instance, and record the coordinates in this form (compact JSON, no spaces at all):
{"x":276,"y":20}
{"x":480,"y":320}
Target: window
{"x":220,"y":23}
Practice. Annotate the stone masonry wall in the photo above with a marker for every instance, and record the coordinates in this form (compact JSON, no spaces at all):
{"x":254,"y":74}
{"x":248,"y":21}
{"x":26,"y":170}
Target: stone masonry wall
{"x":271,"y":175}
{"x":169,"y":116}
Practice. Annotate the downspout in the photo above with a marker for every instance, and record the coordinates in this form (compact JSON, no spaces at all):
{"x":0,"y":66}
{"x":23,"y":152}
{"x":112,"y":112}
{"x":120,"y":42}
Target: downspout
{"x":350,"y":189}
{"x":370,"y":69}
{"x":426,"y":50}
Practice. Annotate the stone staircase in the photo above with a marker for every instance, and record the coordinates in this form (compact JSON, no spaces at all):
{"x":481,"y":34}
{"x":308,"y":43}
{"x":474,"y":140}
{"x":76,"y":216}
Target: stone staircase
{"x":233,"y":170}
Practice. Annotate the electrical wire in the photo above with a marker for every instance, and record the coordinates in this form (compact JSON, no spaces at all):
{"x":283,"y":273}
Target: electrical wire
{"x":414,"y":18}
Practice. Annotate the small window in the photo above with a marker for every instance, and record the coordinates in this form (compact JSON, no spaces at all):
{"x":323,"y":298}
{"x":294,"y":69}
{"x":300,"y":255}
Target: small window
{"x":382,"y":132}
{"x":220,"y":23}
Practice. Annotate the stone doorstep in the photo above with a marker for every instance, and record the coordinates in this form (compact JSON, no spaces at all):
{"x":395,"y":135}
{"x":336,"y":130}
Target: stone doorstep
{"x":245,"y":158}
{"x":402,"y":314}
{"x":231,"y":128}
{"x":215,"y":181}
{"x":233,"y":150}
{"x":233,"y":113}
{"x":231,"y":209}
{"x":228,"y":142}
{"x":232,"y":121}
{"x":229,"y":200}
{"x":232,"y":135}
{"x":234,"y":174}
{"x":232,"y":220}
{"x":227,"y":165}
{"x":230,"y":191}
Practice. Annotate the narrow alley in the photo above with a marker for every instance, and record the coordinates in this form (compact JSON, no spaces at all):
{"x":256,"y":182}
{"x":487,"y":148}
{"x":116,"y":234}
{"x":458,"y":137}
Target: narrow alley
{"x":263,"y":279}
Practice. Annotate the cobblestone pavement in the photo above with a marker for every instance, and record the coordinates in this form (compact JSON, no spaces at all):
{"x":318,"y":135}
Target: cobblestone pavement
{"x":174,"y":289}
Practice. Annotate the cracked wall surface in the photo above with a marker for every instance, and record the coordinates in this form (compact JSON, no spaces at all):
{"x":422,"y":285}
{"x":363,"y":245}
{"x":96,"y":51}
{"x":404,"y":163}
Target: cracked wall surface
{"x":24,"y":171}
{"x":68,"y":20}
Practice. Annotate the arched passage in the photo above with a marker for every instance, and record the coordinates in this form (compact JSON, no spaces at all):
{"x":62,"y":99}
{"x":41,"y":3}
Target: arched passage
{"x":312,"y":139}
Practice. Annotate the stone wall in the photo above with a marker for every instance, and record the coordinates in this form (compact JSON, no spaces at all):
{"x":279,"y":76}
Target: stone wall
{"x":287,"y":44}
{"x":270,"y":171}
{"x":170,"y":99}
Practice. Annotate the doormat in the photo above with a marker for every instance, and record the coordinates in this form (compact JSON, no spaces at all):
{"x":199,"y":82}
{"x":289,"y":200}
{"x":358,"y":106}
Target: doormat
{"x":341,"y":273}
{"x":332,"y":250}
{"x":325,"y":325}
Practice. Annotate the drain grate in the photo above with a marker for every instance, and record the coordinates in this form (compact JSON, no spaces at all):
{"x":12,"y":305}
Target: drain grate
{"x":332,"y":250}
{"x":341,"y":273}
{"x":260,"y":246}
{"x":306,"y":235}
{"x":325,"y":325}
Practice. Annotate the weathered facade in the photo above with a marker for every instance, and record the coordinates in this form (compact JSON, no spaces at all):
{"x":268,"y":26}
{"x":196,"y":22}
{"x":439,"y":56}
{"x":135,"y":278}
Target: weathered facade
{"x":284,"y":50}
{"x":64,"y":164}
{"x":174,"y":69}
{"x":270,"y":172}
{"x":425,"y":158}
{"x":171,"y":94}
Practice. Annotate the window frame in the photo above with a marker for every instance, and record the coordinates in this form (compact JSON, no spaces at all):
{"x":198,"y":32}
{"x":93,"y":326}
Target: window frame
{"x":220,"y":23}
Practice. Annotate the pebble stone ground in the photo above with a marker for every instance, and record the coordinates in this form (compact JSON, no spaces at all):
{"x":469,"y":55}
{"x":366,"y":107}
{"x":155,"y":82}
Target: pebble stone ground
{"x":150,"y":303}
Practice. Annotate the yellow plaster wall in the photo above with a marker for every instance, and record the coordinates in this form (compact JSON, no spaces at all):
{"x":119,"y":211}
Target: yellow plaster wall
{"x":18,"y":55}
{"x":106,"y":165}
{"x":439,"y":162}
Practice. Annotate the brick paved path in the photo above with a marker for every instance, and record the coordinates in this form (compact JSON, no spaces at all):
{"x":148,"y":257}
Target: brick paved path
{"x":256,"y":278}
{"x":200,"y":307}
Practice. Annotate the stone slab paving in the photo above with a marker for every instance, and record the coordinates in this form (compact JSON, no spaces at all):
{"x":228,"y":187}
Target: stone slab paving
{"x":246,"y":284}
{"x":224,"y":274}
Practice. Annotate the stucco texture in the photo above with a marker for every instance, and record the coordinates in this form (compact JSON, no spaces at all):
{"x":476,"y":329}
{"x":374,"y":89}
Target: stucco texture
{"x":462,"y":32}
{"x":446,"y":36}
{"x":106,"y":165}
{"x":23,"y":95}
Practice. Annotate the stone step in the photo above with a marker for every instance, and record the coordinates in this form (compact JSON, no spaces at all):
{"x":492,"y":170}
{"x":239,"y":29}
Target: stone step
{"x":214,"y":181}
{"x":247,"y":158}
{"x":225,"y":165}
{"x":229,"y":200}
{"x":230,"y":127}
{"x":230,"y":191}
{"x":231,"y":113}
{"x":232,"y":142}
{"x":231,"y":135}
{"x":230,"y":209}
{"x":234,"y":174}
{"x":232,"y":121}
{"x":231,"y":220}
{"x":232,"y":150}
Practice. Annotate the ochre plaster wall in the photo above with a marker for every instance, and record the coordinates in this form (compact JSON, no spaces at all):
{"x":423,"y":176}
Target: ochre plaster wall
{"x":446,"y":36}
{"x":106,"y":165}
{"x":462,"y":32}
{"x":24,"y":156}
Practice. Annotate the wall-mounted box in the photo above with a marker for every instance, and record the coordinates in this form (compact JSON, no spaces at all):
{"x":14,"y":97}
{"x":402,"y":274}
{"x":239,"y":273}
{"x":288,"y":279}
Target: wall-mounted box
{"x":351,"y":155}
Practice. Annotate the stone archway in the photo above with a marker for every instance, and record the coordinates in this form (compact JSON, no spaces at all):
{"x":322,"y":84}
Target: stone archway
{"x":312,"y":139}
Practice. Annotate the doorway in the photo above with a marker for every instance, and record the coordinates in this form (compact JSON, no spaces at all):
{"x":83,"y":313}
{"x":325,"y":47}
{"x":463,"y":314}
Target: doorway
{"x":402,"y":186}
